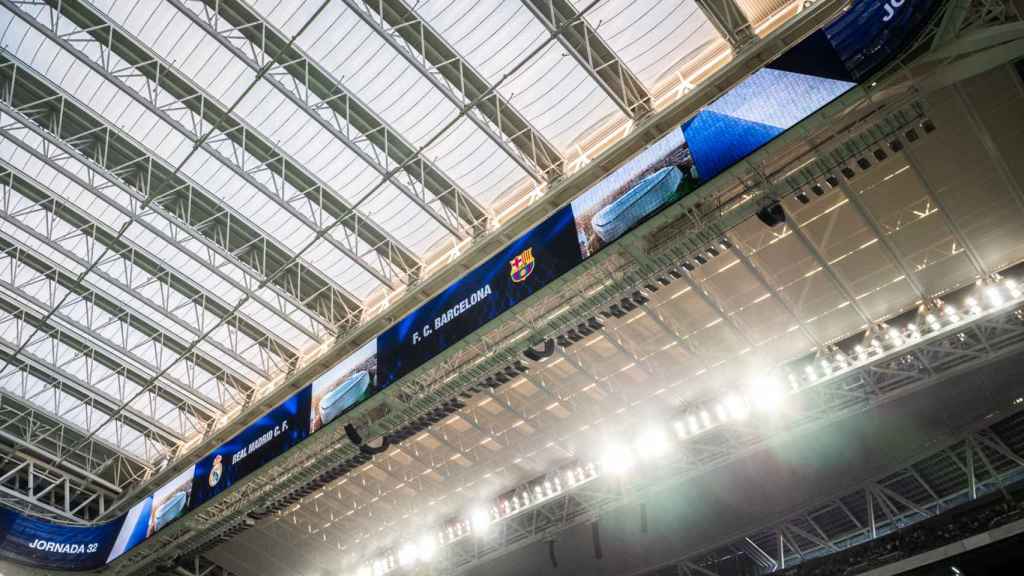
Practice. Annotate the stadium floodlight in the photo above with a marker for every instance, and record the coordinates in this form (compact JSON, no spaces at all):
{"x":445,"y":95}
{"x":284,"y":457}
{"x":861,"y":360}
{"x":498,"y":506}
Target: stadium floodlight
{"x":408,"y":555}
{"x":737,"y":407}
{"x":365,"y":570}
{"x":895,"y":337}
{"x":933,"y":322}
{"x":913,"y":332}
{"x":480,"y":520}
{"x":705,"y":419}
{"x":426,"y":548}
{"x":680,"y":429}
{"x":721,"y":412}
{"x":994,"y":296}
{"x":826,"y":367}
{"x":380,"y":567}
{"x":652,"y":444}
{"x":811,"y":374}
{"x":691,"y":420}
{"x":951,"y":313}
{"x":1012,"y":287}
{"x":861,"y":352}
{"x":972,"y":305}
{"x":616,"y":461}
{"x":766,"y":395}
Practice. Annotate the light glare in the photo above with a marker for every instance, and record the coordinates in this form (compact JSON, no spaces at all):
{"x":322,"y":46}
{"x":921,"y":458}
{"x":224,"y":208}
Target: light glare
{"x":616,"y":461}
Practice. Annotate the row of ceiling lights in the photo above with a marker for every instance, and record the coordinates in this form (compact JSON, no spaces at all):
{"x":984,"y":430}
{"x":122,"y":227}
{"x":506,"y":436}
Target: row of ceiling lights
{"x":763,"y":397}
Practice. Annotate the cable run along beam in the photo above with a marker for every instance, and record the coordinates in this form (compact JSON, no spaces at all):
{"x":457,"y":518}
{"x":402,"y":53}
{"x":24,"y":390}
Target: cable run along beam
{"x":312,"y":88}
{"x":593,"y":54}
{"x":71,"y":129}
{"x":123,"y":60}
{"x":448,"y":71}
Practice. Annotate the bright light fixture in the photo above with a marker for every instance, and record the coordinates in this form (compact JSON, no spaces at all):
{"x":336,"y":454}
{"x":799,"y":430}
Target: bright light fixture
{"x":737,"y":407}
{"x":617,"y":461}
{"x":995,"y":298}
{"x":408,"y":554}
{"x":766,"y":395}
{"x":426,"y":548}
{"x":691,"y":420}
{"x":480,"y":520}
{"x":651,"y":444}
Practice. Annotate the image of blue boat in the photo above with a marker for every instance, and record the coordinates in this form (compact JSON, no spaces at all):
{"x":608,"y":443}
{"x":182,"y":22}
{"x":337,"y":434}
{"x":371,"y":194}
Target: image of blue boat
{"x":344,"y":396}
{"x":170,"y":509}
{"x":647,"y":196}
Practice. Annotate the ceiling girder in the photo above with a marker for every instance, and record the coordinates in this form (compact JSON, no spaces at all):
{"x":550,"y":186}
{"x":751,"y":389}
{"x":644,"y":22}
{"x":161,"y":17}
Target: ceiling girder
{"x":108,"y":354}
{"x":218,"y":131}
{"x":448,"y":71}
{"x":48,"y":354}
{"x":730,"y":21}
{"x":594,"y":55}
{"x":313,"y":89}
{"x":120,"y":262}
{"x":66,"y":124}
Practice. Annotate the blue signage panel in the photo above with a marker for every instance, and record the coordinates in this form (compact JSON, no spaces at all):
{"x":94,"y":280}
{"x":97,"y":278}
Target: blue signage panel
{"x":770,"y":101}
{"x":265,"y":439}
{"x":41,"y":543}
{"x":522,"y":268}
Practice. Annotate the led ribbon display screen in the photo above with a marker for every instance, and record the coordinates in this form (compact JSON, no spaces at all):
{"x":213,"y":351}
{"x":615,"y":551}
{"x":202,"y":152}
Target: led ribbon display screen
{"x":797,"y":84}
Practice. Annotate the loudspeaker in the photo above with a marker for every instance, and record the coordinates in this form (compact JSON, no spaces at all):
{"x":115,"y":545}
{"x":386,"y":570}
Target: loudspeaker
{"x":772,"y":215}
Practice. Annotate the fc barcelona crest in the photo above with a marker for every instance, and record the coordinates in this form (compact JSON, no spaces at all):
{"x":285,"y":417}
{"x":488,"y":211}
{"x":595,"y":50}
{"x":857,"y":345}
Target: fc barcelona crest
{"x":521,"y":266}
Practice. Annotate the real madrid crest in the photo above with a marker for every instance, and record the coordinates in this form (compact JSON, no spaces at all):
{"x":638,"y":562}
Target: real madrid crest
{"x":521,"y":266}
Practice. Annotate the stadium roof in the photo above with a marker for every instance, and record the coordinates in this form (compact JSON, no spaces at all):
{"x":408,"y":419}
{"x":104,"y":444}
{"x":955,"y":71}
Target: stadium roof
{"x":237,"y":185}
{"x":240,"y":185}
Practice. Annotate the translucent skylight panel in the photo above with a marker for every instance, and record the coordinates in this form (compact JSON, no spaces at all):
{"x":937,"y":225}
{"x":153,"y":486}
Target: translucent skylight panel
{"x":360,"y":60}
{"x":288,"y":16}
{"x":172,"y":255}
{"x":652,"y":37}
{"x":353,"y":278}
{"x":190,"y":49}
{"x":493,"y":35}
{"x":405,"y":221}
{"x":558,"y":96}
{"x":471,"y":159}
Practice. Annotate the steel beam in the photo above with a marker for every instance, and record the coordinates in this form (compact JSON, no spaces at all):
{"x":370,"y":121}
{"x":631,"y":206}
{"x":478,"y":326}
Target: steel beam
{"x":314,"y":90}
{"x":837,"y":281}
{"x":72,"y":129}
{"x":137,"y":272}
{"x":593,"y":54}
{"x":103,"y":357}
{"x":730,"y":21}
{"x":448,"y":71}
{"x":886,"y":240}
{"x":120,"y":59}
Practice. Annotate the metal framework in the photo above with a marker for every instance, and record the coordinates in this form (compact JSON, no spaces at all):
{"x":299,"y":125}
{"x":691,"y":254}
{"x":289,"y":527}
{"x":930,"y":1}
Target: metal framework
{"x":136,"y":70}
{"x":74,"y":281}
{"x":591,"y":52}
{"x":72,"y":130}
{"x":311,"y":88}
{"x":448,"y":71}
{"x":924,"y":364}
{"x":980,"y":461}
{"x":730,"y":21}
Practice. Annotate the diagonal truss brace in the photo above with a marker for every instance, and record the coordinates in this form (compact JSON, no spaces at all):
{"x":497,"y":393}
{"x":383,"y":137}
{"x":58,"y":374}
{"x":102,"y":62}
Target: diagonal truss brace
{"x":429,"y":53}
{"x":309,"y":86}
{"x":178,"y":101}
{"x":154,"y":186}
{"x":730,"y":21}
{"x":593,"y":54}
